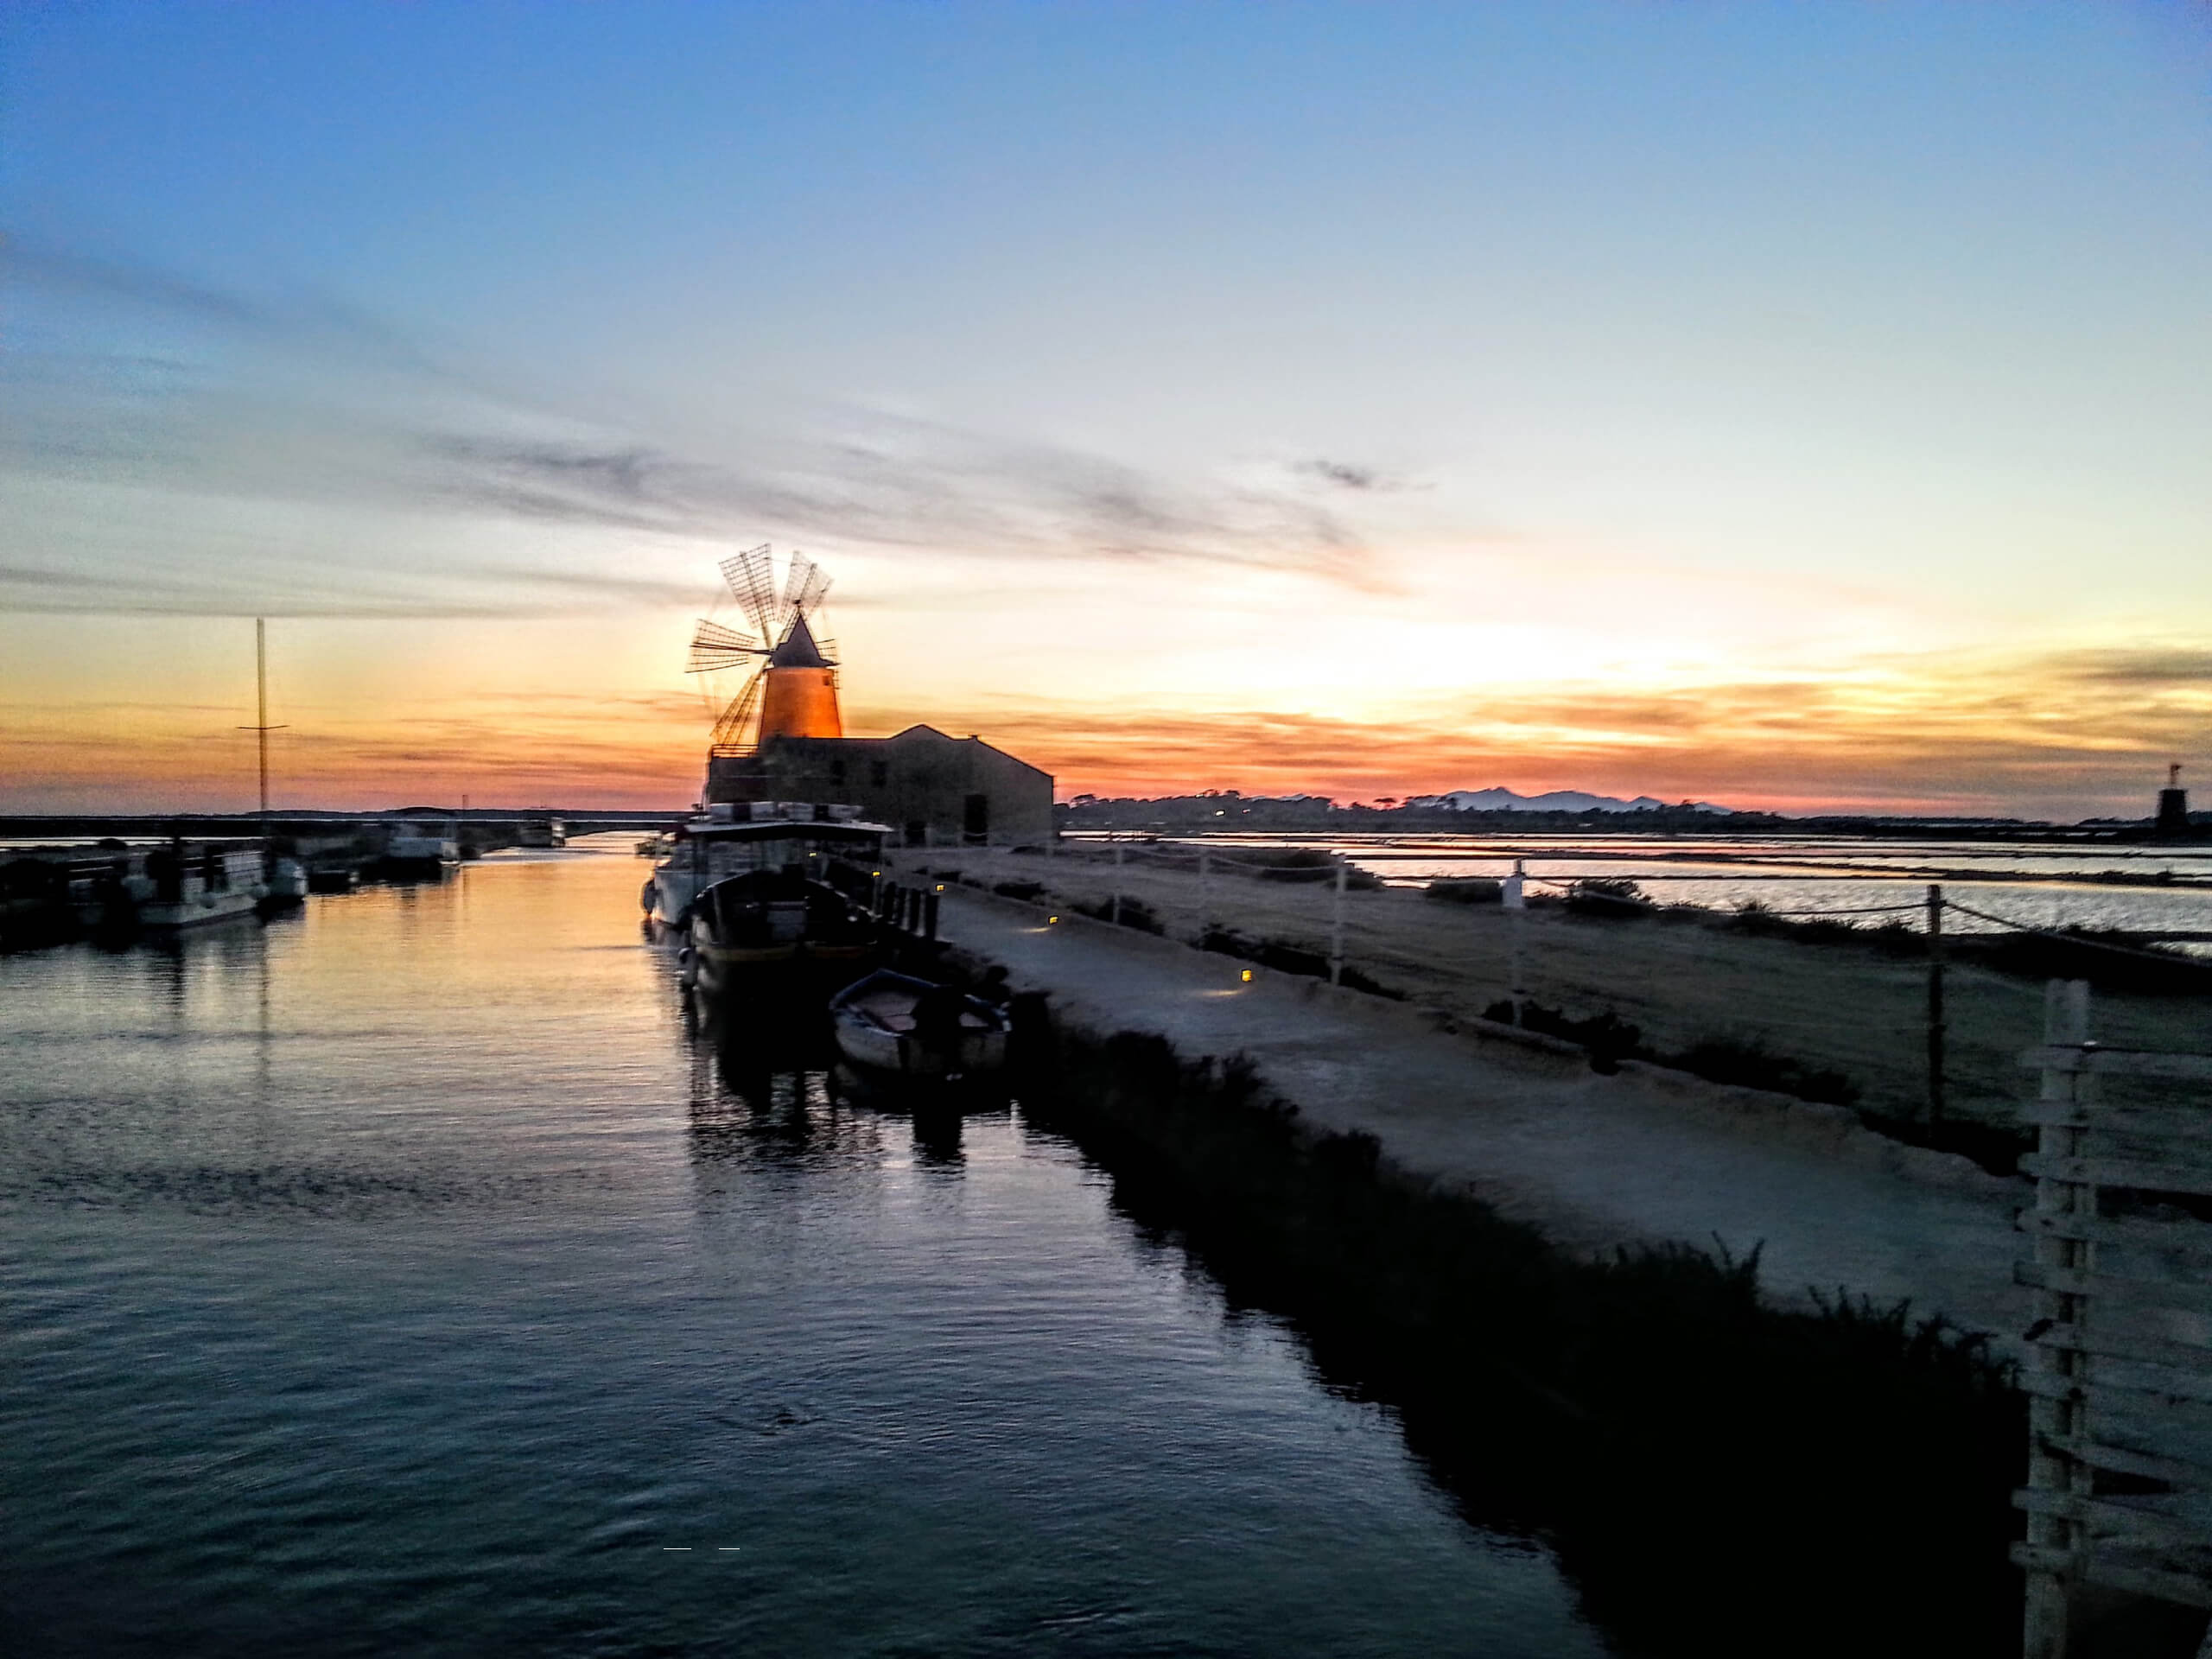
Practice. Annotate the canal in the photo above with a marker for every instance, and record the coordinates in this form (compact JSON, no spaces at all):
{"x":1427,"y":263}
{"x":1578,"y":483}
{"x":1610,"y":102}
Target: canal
{"x":415,"y":1273}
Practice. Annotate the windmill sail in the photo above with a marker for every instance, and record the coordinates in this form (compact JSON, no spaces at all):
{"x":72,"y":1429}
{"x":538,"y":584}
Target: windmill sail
{"x":752,"y":578}
{"x":715,"y":647}
{"x":729,"y":736}
{"x":806,"y":583}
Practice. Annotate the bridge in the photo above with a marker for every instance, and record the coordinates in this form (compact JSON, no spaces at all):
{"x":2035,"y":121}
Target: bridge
{"x":491,"y":822}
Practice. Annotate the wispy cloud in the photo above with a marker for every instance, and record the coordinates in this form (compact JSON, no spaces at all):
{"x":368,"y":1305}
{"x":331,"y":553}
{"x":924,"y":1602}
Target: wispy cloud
{"x":1344,"y":475}
{"x":265,"y":423}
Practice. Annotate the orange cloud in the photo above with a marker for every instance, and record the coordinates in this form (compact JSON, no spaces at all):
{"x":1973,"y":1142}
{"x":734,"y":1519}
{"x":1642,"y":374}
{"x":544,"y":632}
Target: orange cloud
{"x":2064,"y":734}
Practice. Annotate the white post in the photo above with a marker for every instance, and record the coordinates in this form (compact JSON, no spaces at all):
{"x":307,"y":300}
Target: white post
{"x":1336,"y":929}
{"x":1118,"y":884}
{"x":2053,"y":1422}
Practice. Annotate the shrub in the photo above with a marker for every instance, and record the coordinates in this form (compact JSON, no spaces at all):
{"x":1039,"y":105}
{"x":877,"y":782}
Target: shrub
{"x":1609,"y":1038}
{"x":1029,"y":892}
{"x":1609,"y":896}
{"x":1352,"y":979}
{"x":1473,"y":890}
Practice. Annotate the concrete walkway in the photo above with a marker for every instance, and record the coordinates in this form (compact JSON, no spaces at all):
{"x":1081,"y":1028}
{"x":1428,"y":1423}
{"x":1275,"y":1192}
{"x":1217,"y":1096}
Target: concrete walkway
{"x":1644,"y":1156}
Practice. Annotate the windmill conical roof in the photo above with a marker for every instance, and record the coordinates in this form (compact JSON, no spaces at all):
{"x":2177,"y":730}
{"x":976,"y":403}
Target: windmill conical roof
{"x":798,"y":649}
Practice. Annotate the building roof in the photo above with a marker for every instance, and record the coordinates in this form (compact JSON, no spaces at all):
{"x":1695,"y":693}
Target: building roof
{"x":912,"y":734}
{"x":798,"y":649}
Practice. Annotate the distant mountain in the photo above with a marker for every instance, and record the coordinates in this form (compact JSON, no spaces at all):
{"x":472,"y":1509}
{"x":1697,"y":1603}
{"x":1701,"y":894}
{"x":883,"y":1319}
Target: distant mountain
{"x":1558,"y":800}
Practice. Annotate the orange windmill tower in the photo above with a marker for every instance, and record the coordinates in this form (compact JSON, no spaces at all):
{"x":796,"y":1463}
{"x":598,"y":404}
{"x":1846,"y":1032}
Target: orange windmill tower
{"x":792,"y":688}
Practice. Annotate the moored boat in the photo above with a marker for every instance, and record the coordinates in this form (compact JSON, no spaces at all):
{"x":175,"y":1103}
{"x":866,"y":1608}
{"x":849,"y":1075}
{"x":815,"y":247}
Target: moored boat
{"x":194,"y":885}
{"x":418,"y":849}
{"x":822,"y":843}
{"x":892,"y":1024}
{"x":779,"y":930}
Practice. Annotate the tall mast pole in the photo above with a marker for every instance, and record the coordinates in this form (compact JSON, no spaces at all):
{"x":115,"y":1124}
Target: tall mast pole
{"x":260,"y":715}
{"x":261,"y":727}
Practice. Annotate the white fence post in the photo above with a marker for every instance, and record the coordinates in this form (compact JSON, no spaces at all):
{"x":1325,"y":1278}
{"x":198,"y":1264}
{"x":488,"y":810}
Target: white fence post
{"x":1337,"y":928}
{"x":2053,"y":1419}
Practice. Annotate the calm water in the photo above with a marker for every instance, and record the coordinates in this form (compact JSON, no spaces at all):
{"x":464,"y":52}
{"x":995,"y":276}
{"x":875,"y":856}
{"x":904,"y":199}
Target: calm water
{"x":409,"y":1276}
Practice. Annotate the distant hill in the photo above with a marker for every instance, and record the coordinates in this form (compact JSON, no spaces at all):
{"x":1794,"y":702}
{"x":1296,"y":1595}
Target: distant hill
{"x":1558,"y":800}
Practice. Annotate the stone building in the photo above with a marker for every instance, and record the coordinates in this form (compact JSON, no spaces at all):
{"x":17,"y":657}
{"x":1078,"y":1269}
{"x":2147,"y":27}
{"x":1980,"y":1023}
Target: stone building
{"x":935,"y":791}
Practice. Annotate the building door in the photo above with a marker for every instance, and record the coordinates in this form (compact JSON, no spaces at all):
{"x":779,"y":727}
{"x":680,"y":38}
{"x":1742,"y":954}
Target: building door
{"x":917,"y":832}
{"x":975,"y":820}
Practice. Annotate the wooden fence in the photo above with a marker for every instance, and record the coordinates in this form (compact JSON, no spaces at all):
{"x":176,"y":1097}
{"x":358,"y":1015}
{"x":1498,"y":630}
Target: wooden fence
{"x":2119,"y":1383}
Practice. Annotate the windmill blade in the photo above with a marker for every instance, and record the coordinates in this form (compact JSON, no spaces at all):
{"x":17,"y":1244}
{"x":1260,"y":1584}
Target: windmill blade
{"x":795,"y":574}
{"x":828,"y":647}
{"x":752,"y":577}
{"x":805,"y":584}
{"x":729,"y":731}
{"x":715,"y":647}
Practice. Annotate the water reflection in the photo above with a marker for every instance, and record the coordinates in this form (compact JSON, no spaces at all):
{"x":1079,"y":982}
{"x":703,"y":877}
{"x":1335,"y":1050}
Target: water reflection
{"x":763,"y":1088}
{"x":938,"y":1137}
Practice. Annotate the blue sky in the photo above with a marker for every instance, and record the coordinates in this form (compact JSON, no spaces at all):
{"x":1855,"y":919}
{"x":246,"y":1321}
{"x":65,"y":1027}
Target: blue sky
{"x":1151,"y":376}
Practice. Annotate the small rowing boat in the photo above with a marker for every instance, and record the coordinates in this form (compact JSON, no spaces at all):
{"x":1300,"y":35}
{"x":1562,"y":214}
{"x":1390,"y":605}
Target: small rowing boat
{"x":895,"y":1024}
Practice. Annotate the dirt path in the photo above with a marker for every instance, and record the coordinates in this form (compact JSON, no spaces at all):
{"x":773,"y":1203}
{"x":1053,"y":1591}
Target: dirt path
{"x":1644,"y":1156}
{"x":1844,"y":1007}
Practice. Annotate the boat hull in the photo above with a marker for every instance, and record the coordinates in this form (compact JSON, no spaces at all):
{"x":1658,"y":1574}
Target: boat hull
{"x":865,"y":1018}
{"x":900,"y":1054}
{"x":172,"y":916}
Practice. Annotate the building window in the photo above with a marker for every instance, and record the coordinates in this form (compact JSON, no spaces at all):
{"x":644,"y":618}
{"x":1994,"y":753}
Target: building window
{"x":878,"y":773}
{"x":837,"y":772}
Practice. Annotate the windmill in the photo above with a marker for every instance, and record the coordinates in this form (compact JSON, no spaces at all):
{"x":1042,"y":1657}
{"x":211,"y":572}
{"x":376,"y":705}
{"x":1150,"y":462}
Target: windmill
{"x":791,"y":673}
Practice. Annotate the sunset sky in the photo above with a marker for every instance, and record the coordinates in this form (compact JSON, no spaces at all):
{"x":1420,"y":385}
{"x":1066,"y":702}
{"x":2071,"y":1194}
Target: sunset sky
{"x":1796,"y":406}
